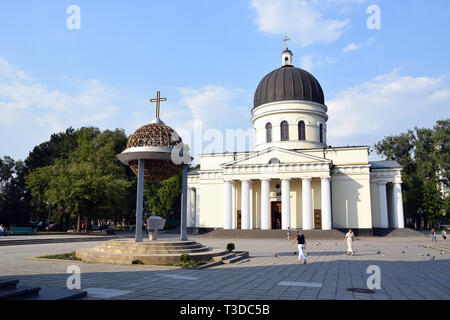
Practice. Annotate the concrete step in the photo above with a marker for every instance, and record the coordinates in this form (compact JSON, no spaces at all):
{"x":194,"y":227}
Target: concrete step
{"x":238,"y":257}
{"x":90,"y":255}
{"x":391,"y":232}
{"x":226,"y":256}
{"x":146,"y":252}
{"x":273,"y":234}
{"x":129,"y":243}
{"x":58,"y":294}
{"x":18,"y":293}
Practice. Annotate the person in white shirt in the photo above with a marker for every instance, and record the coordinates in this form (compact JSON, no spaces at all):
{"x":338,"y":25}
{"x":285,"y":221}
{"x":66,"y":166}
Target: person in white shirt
{"x":3,"y":231}
{"x":349,"y":241}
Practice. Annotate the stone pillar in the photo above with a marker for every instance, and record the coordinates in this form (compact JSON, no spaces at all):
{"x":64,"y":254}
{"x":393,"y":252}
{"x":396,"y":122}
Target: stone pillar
{"x":227,"y":206}
{"x":398,"y":206}
{"x":197,"y":207}
{"x":307,"y":204}
{"x":265,"y":204}
{"x":183,"y":229}
{"x":251,"y":204}
{"x":327,"y":222}
{"x":140,"y":200}
{"x":384,"y":218}
{"x":233,"y":205}
{"x":245,"y":205}
{"x":191,"y":208}
{"x":285,"y":204}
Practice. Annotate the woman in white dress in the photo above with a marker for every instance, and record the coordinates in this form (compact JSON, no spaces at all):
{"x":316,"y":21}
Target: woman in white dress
{"x":349,"y":240}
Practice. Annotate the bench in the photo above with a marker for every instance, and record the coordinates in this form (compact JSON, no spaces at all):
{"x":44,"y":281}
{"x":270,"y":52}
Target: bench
{"x":22,"y":230}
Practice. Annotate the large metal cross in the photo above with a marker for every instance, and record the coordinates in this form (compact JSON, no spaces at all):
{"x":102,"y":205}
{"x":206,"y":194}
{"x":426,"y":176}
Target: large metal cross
{"x":286,"y":39}
{"x":158,"y":99}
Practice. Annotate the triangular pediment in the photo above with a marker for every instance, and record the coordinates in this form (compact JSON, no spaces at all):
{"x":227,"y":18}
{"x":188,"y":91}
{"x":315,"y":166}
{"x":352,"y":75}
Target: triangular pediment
{"x":271,"y":155}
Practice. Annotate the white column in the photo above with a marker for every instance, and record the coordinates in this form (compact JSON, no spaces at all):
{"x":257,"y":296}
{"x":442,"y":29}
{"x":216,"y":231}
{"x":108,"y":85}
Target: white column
{"x":233,"y":205}
{"x":265,"y":204}
{"x":285,"y":204}
{"x":197,"y":207}
{"x":307,"y":204}
{"x":191,"y":207}
{"x":139,"y":200}
{"x":384,"y":219}
{"x":227,"y":206}
{"x":251,"y":204}
{"x":245,"y":205}
{"x":398,"y":206}
{"x":327,"y":223}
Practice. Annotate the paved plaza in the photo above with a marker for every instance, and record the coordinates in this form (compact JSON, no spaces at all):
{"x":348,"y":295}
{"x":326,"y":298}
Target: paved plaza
{"x":408,"y":271}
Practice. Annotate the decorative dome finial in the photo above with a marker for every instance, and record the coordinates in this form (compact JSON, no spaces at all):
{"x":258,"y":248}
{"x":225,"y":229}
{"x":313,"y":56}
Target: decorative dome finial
{"x":286,"y":39}
{"x":286,"y":55}
{"x":158,"y":99}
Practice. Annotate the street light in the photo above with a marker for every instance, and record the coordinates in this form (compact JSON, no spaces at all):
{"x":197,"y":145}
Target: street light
{"x":49,"y":213}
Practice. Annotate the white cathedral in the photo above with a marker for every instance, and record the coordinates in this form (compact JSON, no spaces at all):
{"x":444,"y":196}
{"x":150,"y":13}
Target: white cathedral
{"x":293,"y":179}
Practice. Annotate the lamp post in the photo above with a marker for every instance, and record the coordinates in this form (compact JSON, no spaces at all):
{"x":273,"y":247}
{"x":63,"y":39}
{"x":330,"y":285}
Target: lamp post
{"x":48,"y":220}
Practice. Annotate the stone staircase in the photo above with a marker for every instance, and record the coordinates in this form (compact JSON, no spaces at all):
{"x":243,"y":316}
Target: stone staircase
{"x":10,"y":291}
{"x":159,"y":252}
{"x":228,"y":258}
{"x":273,"y":234}
{"x":390,"y":232}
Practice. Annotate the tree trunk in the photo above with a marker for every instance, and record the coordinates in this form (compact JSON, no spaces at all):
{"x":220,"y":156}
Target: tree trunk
{"x":67,"y":221}
{"x":78,"y":223}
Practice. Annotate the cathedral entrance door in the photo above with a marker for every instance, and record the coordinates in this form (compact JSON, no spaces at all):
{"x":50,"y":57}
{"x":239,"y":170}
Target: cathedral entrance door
{"x":276,"y":214}
{"x":239,"y":224}
{"x":318,"y":219}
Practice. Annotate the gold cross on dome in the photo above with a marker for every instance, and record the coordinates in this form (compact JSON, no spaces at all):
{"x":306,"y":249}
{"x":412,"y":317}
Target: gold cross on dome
{"x":286,"y":39}
{"x":158,"y":99}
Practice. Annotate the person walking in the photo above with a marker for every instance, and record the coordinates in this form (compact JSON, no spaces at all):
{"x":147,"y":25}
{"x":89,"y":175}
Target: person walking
{"x":433,"y":235}
{"x":3,"y":231}
{"x":349,"y":241}
{"x":301,"y":244}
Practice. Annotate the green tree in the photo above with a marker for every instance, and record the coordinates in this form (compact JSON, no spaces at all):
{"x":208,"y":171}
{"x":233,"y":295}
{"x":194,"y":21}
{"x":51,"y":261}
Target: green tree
{"x":89,"y":183}
{"x":14,"y":198}
{"x":424,"y":155}
{"x":432,"y":205}
{"x":163,"y":197}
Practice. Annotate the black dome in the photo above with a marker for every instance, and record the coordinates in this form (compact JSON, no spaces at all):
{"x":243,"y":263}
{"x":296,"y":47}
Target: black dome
{"x":288,"y":83}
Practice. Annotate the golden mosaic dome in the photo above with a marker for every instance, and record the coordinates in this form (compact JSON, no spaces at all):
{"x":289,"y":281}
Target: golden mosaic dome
{"x":162,"y":139}
{"x":154,"y":135}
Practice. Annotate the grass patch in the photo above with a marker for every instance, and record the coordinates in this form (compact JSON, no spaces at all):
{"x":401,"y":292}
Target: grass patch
{"x":188,"y":264}
{"x":63,"y":256}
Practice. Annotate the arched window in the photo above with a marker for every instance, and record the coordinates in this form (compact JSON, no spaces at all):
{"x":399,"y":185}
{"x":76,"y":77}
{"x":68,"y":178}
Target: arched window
{"x":321,"y":133}
{"x":268,"y":132}
{"x":301,"y":130}
{"x":284,"y":131}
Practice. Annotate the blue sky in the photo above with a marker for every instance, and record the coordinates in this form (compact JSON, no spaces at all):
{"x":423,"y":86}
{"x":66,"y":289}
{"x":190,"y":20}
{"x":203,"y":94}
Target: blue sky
{"x":207,"y":58}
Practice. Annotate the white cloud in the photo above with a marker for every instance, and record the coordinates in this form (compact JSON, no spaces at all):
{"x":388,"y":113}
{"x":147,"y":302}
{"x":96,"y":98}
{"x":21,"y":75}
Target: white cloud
{"x":31,"y":112}
{"x":301,"y":19}
{"x":351,"y":47}
{"x":388,"y":104}
{"x":310,"y":62}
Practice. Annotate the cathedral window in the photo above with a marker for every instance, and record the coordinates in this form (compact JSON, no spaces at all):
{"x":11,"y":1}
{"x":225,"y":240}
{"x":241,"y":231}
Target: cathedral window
{"x":268,"y":132}
{"x":321,"y":133}
{"x":284,"y":131}
{"x":301,"y":130}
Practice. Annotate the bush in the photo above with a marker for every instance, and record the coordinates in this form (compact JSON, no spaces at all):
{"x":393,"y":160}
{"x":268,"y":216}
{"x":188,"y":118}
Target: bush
{"x":230,"y":247}
{"x":185,"y":258}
